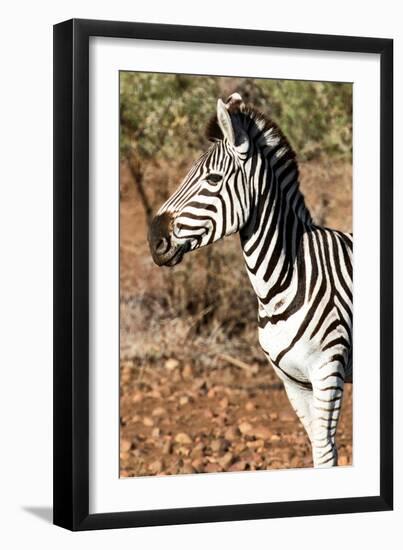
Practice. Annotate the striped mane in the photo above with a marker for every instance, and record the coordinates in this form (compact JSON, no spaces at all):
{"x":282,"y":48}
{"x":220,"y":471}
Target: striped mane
{"x":259,"y":127}
{"x":265,"y":134}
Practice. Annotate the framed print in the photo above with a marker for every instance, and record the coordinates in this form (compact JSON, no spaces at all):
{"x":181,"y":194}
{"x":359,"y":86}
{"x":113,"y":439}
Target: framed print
{"x":208,"y":187}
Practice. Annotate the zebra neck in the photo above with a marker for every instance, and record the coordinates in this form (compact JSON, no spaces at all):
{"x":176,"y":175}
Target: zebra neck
{"x":272,"y":238}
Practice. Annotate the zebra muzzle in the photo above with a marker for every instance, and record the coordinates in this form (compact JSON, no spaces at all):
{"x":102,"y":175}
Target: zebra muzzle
{"x":172,"y":256}
{"x":163,"y":251}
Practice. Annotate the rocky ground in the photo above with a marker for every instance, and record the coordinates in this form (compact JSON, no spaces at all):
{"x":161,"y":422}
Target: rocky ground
{"x":178,"y":420}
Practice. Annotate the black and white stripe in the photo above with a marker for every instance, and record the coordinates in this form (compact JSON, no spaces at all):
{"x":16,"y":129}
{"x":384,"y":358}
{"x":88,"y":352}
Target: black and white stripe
{"x":247,"y":181}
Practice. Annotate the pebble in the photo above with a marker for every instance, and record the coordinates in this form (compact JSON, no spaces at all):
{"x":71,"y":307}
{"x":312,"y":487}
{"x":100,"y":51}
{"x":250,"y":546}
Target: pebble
{"x":287,"y":417}
{"x":343,"y":461}
{"x":225,"y":460}
{"x":125,"y":445}
{"x":224,"y":403}
{"x":156,"y":466}
{"x":183,"y":439}
{"x":124,"y":455}
{"x":238,"y":466}
{"x":212,"y":392}
{"x":197,"y":451}
{"x":254,"y":369}
{"x":255,"y":444}
{"x":155,"y":394}
{"x":187,"y":372}
{"x":212,"y":468}
{"x":238,"y":448}
{"x":295,"y":462}
{"x":261,"y":432}
{"x":245,"y":428}
{"x":187,"y":469}
{"x":219,"y":445}
{"x":231,"y":433}
{"x":198,"y":464}
{"x":159,"y":411}
{"x":183,"y":451}
{"x":171,"y":364}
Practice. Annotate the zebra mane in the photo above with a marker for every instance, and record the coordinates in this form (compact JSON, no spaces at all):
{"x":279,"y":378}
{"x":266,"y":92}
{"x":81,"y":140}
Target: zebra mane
{"x":256,"y":123}
{"x":264,"y":132}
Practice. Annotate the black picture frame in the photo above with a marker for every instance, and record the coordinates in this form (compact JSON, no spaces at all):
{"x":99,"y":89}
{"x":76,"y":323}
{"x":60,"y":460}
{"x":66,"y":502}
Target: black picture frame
{"x":71,"y":274}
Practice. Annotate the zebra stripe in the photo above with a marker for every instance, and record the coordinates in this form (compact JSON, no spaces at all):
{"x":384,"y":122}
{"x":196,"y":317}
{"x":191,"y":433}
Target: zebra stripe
{"x":247,"y":182}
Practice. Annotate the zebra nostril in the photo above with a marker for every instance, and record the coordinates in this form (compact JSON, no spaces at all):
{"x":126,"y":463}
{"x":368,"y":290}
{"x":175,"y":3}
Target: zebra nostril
{"x":162,"y":246}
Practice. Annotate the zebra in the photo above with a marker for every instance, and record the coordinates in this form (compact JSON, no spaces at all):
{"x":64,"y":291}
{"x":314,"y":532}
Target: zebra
{"x":248,"y":182}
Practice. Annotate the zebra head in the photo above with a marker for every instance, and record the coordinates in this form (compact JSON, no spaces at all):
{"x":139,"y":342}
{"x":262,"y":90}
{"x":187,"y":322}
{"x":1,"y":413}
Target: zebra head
{"x":212,"y":201}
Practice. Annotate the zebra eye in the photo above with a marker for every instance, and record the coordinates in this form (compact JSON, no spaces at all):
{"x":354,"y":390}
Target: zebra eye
{"x":214,"y":178}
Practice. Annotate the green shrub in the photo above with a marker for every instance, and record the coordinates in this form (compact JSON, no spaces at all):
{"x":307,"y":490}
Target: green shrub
{"x":163,"y":116}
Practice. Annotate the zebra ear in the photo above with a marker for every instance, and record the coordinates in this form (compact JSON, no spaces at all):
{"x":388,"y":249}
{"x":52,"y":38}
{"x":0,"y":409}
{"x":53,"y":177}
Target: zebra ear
{"x":231,"y":128}
{"x":224,"y":122}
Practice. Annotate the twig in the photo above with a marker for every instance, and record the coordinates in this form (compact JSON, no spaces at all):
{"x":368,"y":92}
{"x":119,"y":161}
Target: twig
{"x":234,"y":361}
{"x":198,"y":317}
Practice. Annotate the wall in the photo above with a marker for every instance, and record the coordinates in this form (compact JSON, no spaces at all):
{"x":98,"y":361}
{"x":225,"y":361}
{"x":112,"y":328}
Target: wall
{"x":26,"y":284}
